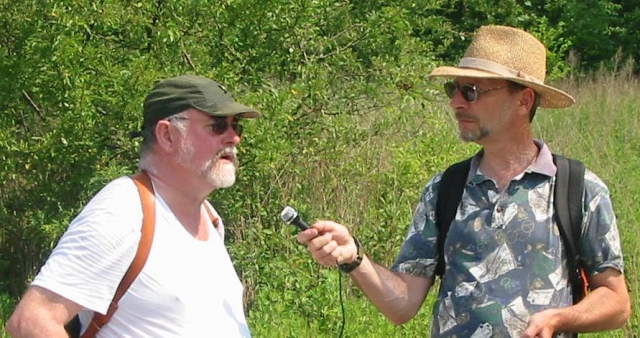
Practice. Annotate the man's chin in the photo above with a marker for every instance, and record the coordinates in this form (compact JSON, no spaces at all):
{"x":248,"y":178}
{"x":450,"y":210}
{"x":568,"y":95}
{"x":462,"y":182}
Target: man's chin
{"x":466,"y":137}
{"x":469,"y":137}
{"x":222,"y":175}
{"x":223,"y":178}
{"x":225,"y":184}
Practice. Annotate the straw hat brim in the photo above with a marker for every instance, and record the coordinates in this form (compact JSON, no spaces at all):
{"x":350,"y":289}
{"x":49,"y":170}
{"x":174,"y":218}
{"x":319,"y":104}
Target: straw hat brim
{"x":550,"y":97}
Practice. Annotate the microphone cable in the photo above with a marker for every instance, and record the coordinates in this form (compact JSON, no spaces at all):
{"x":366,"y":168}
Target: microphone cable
{"x":290,"y":216}
{"x":341,"y":303}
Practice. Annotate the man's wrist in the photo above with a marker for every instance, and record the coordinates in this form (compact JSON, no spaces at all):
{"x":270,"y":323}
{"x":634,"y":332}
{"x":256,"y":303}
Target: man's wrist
{"x":348,"y":267}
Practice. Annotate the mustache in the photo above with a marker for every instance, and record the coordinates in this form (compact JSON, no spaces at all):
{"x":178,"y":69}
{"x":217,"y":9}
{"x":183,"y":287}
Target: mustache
{"x":464,"y":116}
{"x":230,"y":151}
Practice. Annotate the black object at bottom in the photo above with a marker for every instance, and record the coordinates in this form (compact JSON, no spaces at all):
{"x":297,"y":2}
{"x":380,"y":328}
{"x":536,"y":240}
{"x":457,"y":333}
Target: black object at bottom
{"x":73,"y":327}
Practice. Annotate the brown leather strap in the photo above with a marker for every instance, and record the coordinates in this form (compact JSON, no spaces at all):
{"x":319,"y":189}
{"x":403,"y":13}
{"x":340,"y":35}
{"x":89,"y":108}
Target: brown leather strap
{"x":212,"y":217}
{"x":147,"y":197}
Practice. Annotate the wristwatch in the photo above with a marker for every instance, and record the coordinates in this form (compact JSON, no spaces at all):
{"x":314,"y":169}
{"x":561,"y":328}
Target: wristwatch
{"x":348,"y":267}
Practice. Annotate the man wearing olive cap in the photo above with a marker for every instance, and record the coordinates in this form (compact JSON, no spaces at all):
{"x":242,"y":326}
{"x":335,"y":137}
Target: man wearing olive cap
{"x":188,"y":286}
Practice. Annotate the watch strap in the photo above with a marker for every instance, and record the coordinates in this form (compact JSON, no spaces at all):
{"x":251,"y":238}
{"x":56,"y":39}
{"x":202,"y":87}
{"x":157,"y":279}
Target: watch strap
{"x":348,"y":267}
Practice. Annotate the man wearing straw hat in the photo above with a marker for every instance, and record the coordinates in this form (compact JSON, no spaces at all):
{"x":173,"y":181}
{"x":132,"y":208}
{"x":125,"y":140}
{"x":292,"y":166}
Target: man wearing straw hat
{"x":506,"y":272}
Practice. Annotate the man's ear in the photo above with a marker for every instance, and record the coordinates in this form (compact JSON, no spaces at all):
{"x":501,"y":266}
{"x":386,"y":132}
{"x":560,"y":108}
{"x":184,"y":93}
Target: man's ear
{"x":163,"y":135}
{"x":527,"y":97}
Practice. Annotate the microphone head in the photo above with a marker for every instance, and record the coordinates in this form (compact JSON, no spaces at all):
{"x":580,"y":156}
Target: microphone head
{"x":288,"y":214}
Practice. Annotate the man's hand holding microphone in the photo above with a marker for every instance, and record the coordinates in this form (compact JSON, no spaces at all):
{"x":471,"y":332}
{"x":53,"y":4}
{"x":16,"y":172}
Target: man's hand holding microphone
{"x":328,"y":242}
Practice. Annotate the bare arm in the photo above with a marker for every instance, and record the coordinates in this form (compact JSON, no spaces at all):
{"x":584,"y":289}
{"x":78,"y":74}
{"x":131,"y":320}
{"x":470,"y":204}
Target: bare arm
{"x":606,"y":307}
{"x":41,"y":313}
{"x":398,"y":296}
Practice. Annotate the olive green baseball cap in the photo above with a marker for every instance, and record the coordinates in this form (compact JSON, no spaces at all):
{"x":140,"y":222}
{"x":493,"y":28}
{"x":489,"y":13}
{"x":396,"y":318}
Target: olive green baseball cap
{"x":177,"y":94}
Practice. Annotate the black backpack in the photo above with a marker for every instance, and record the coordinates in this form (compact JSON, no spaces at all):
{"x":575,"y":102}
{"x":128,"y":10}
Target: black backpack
{"x":567,"y":202}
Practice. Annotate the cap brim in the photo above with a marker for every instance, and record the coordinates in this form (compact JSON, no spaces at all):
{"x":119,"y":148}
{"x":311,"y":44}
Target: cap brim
{"x":234,"y":108}
{"x":550,"y":97}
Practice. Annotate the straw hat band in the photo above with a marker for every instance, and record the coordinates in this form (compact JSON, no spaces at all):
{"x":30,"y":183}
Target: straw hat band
{"x":497,"y":69}
{"x":502,"y":52}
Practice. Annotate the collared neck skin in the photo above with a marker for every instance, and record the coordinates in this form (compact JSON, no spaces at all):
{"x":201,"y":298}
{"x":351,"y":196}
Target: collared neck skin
{"x":543,"y":163}
{"x":499,"y":122}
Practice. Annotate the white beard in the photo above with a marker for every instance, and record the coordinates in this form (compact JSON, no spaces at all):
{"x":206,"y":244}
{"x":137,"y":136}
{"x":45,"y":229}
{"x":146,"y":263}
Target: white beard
{"x":222,"y":175}
{"x":218,"y":172}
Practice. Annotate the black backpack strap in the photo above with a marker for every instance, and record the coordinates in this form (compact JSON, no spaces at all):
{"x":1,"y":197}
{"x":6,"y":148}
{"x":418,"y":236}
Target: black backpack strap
{"x":567,"y":201}
{"x":449,"y":195}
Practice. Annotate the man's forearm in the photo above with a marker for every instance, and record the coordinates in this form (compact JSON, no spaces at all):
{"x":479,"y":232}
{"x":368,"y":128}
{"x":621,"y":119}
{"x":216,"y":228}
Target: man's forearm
{"x":19,"y":329}
{"x":398,"y":297}
{"x":601,"y":310}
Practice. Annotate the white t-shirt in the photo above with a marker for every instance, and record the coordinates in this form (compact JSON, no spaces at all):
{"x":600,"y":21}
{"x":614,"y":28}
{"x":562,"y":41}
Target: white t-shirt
{"x":187,"y":288}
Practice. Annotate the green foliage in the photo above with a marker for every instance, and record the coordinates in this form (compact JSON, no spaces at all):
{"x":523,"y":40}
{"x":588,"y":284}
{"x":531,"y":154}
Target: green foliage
{"x":592,"y":37}
{"x":351,"y":128}
{"x":7,"y":304}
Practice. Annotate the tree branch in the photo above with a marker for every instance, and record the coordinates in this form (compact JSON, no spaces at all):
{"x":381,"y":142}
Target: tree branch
{"x":187,"y":57}
{"x":33,"y":104}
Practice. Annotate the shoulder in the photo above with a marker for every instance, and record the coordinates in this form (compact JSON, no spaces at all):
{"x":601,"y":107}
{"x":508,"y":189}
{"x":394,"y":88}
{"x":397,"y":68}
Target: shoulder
{"x":456,"y":173}
{"x":120,"y":191}
{"x":432,"y":186}
{"x":597,"y":197}
{"x":593,"y":186}
{"x":115,"y":208}
{"x":595,"y":190}
{"x":593,"y":182}
{"x":106,"y":234}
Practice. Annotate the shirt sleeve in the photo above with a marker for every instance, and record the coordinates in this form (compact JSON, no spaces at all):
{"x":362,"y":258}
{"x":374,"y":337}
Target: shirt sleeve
{"x":97,"y":248}
{"x":600,"y":241}
{"x":419,"y":252}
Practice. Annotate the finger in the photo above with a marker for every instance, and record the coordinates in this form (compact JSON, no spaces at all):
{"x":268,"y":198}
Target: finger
{"x":307,"y":235}
{"x":530,"y":332}
{"x":328,"y":251}
{"x":318,"y":242}
{"x":324,"y":226}
{"x":322,"y":249}
{"x":336,"y":229}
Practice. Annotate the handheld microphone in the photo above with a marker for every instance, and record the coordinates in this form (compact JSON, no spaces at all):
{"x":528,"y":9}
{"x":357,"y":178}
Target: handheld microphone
{"x":290,"y":216}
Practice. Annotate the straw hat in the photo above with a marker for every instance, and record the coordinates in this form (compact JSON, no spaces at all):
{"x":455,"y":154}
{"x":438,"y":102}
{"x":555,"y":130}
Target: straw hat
{"x":500,"y":52}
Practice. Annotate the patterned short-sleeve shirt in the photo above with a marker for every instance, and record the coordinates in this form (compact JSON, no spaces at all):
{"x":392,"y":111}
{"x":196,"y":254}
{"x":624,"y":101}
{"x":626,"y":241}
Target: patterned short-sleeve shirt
{"x":504,"y":256}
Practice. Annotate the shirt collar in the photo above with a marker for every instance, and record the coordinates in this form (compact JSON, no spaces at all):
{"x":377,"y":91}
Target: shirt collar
{"x":544,"y":162}
{"x":542,"y":165}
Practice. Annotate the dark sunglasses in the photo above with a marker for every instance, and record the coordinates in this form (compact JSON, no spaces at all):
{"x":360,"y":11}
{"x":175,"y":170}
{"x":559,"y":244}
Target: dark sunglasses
{"x":220,"y":124}
{"x":469,"y":92}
